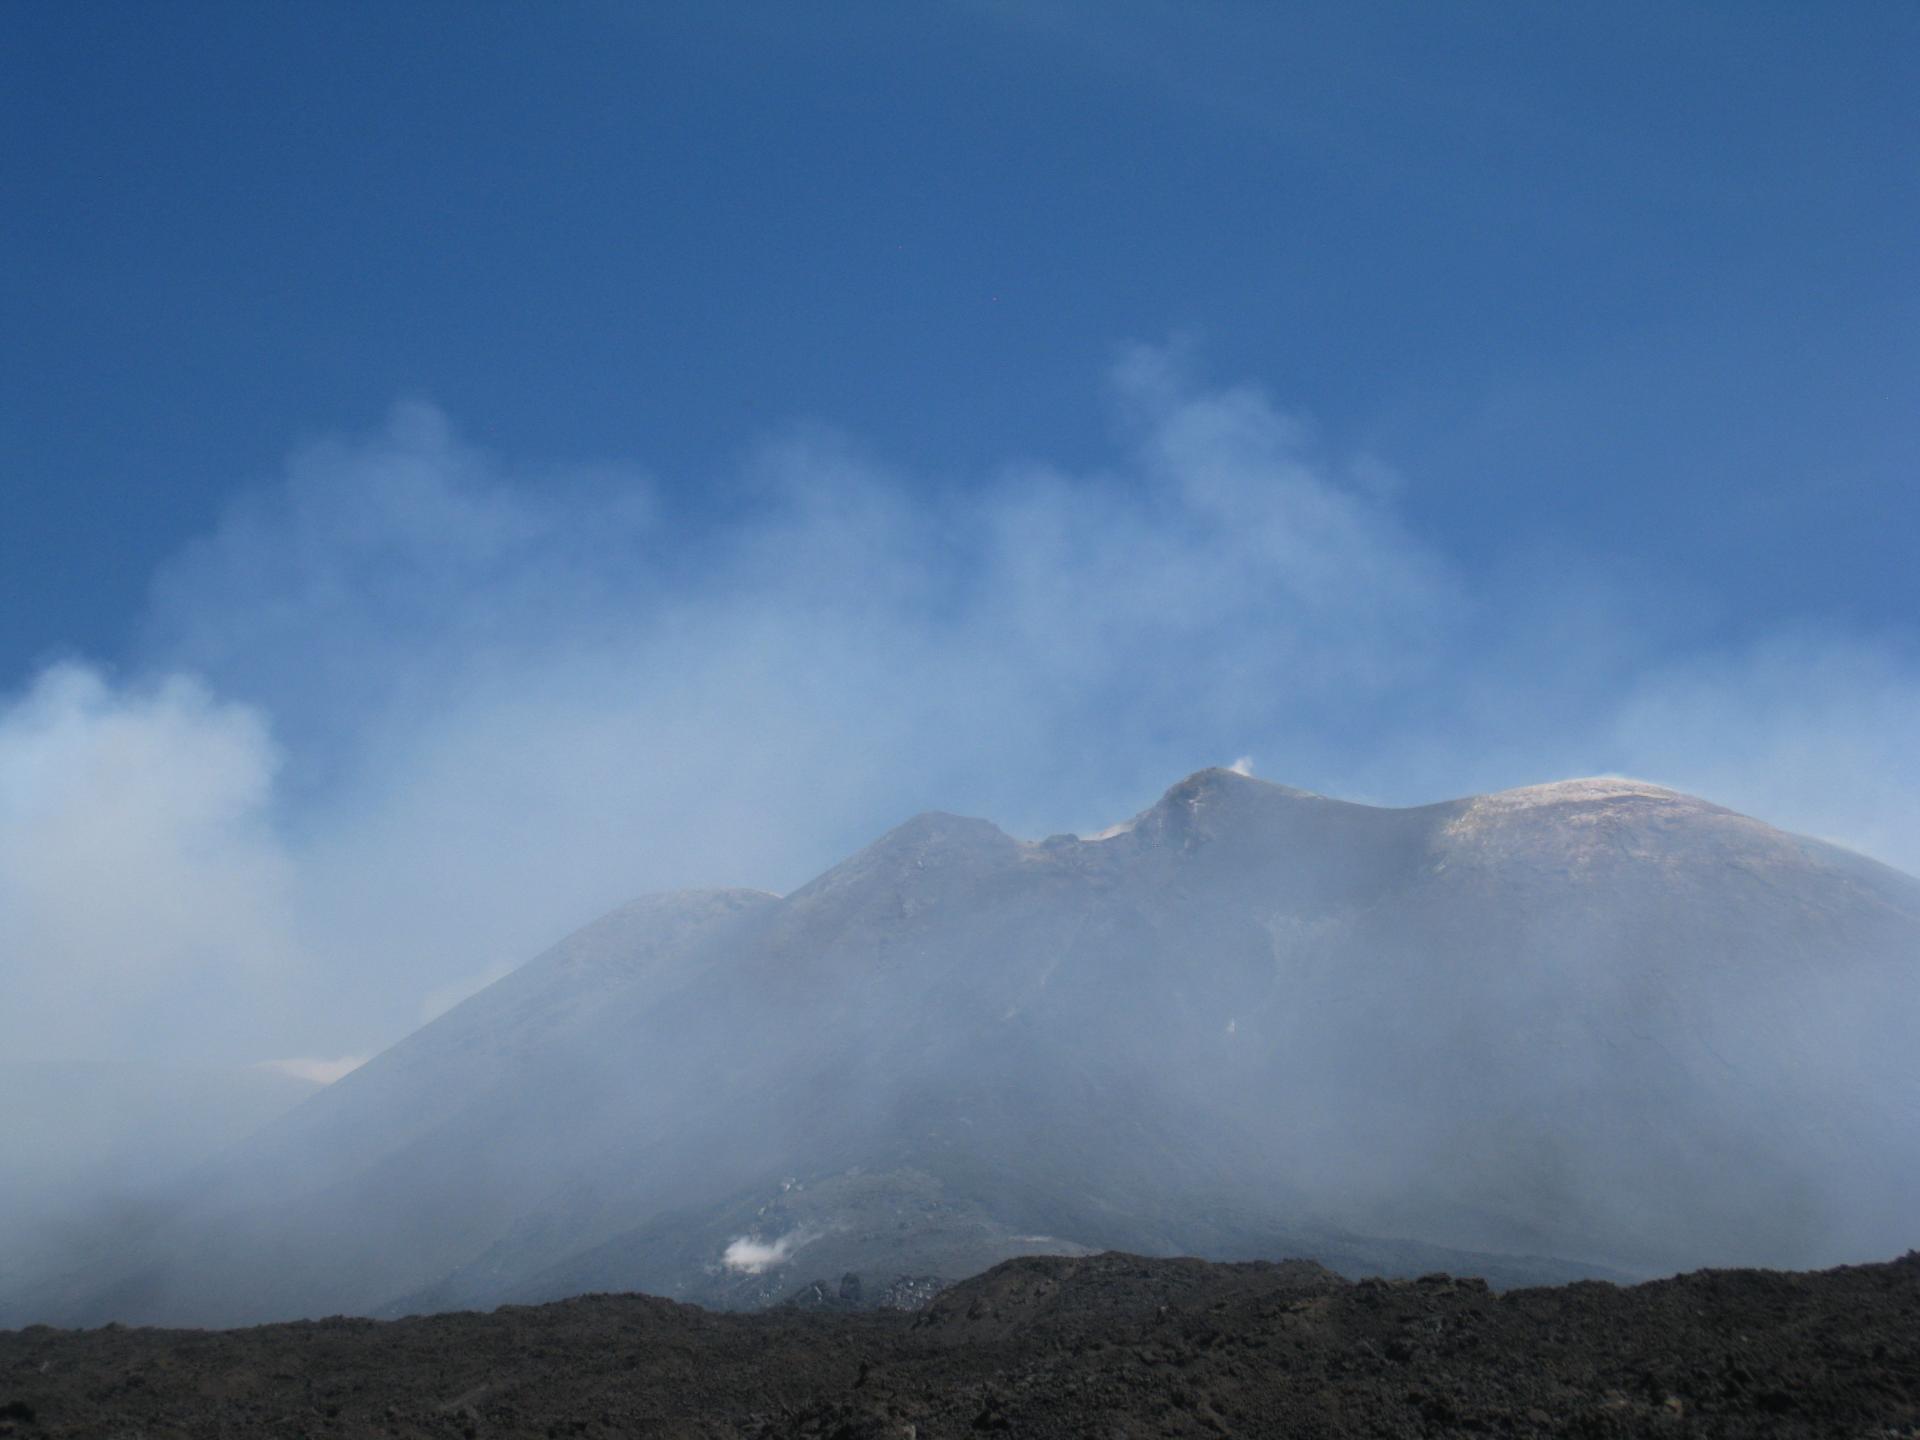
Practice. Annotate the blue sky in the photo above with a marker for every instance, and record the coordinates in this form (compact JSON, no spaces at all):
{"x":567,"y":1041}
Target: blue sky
{"x":491,"y":459}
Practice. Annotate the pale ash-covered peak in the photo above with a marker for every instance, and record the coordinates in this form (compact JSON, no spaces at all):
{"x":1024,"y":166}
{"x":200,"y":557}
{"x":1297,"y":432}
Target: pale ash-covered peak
{"x":1582,"y":801}
{"x":1609,"y":820}
{"x":1590,"y":801}
{"x":1592,"y":789}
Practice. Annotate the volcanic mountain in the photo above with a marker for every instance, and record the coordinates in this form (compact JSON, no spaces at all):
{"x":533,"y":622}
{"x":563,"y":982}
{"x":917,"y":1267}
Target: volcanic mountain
{"x":1595,"y":1027}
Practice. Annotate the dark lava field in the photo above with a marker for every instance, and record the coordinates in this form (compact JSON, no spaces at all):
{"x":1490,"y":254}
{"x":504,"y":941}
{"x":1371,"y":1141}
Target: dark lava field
{"x":1111,"y":1345}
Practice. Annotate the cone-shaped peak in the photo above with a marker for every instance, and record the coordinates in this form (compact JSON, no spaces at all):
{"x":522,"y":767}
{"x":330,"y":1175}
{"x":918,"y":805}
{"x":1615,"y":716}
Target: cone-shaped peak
{"x":1216,"y":789}
{"x":1228,"y":779}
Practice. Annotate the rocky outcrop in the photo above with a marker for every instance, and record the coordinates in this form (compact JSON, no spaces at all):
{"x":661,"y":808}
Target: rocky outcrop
{"x":1102,"y":1345}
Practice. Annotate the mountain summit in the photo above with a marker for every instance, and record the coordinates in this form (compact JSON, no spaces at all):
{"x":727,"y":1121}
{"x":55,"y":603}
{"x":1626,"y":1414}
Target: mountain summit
{"x":1594,"y":1027}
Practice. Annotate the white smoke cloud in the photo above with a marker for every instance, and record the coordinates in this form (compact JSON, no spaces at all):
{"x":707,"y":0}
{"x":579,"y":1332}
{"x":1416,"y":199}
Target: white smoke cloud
{"x":145,"y":901}
{"x":510,"y":698}
{"x":409,"y":715}
{"x":755,"y":1257}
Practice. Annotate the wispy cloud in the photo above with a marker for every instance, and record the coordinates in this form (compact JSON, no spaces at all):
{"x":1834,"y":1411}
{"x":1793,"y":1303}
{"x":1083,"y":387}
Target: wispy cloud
{"x":145,"y":897}
{"x":1812,"y":729}
{"x":414,"y":711}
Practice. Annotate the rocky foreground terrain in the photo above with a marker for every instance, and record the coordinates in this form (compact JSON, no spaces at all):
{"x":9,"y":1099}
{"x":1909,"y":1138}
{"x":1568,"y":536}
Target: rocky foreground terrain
{"x":1109,"y":1345}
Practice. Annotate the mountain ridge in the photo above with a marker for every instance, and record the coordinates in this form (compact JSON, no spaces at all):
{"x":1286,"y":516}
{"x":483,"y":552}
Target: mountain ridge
{"x":1587,"y":1021}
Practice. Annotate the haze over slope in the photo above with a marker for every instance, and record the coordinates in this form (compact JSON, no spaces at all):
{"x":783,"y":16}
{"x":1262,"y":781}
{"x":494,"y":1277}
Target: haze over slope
{"x":1597,"y":1020}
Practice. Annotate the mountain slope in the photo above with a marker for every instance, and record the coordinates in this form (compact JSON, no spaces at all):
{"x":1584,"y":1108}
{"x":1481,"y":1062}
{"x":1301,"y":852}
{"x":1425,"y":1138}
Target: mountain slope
{"x":1596,"y":1020}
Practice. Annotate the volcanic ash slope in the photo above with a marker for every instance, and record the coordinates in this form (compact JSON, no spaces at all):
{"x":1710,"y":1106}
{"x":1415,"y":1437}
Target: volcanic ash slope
{"x":1599,"y":1021}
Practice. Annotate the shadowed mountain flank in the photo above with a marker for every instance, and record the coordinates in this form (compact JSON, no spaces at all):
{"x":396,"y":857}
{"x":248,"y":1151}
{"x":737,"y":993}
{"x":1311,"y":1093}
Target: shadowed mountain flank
{"x":1589,"y":1028}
